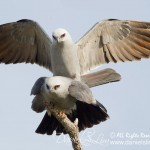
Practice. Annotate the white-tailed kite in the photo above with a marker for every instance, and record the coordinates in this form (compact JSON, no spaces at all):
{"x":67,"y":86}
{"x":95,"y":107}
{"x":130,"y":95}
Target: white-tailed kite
{"x":107,"y":41}
{"x":69,"y":96}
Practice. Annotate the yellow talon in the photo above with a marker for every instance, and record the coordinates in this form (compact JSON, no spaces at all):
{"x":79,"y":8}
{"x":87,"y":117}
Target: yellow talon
{"x":62,"y":113}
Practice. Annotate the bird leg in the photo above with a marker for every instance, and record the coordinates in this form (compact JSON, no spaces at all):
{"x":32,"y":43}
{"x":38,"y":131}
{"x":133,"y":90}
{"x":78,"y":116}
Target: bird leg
{"x":52,"y":107}
{"x":62,"y":114}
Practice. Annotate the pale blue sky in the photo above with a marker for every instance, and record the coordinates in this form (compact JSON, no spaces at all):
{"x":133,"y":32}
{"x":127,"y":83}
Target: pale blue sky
{"x":127,"y":101}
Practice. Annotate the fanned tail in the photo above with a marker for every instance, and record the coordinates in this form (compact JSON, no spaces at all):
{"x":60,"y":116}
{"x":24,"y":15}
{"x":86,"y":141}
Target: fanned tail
{"x":87,"y":114}
{"x":101,"y":77}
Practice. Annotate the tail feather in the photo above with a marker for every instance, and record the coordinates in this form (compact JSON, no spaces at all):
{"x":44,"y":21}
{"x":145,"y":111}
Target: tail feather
{"x":101,"y":77}
{"x":87,"y":114}
{"x":43,"y":127}
{"x":60,"y":129}
{"x":47,"y":125}
{"x":82,"y":115}
{"x":54,"y":124}
{"x":94,"y":114}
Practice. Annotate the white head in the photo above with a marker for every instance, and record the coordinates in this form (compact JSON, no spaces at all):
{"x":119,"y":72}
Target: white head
{"x":57,"y":86}
{"x":61,"y":35}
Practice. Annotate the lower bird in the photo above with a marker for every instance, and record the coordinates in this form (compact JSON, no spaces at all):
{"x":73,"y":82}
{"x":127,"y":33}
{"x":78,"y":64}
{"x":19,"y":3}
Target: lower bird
{"x":72,"y":97}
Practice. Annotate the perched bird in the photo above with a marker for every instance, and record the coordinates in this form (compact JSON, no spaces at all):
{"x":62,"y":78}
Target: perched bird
{"x":72,"y":97}
{"x":107,"y":41}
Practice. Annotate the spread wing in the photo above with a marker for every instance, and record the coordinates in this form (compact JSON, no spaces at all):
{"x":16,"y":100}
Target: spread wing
{"x":113,"y":41}
{"x":24,"y":41}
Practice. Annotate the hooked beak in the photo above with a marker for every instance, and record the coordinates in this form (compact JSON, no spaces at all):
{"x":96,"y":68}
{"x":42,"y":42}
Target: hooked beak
{"x":58,"y":40}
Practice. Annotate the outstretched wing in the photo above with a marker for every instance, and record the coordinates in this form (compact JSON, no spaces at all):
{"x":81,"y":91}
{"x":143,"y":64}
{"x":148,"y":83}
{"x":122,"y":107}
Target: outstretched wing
{"x":81,"y":92}
{"x":112,"y":41}
{"x":24,"y":41}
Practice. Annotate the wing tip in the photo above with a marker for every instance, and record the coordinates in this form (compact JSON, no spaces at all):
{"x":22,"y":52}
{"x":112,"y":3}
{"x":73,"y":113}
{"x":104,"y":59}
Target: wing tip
{"x":25,"y":20}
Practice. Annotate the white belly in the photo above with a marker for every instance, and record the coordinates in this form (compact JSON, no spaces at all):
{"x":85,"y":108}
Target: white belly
{"x":65,"y":62}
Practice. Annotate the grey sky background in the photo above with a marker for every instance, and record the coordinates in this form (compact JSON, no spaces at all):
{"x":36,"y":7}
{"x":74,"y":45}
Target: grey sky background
{"x":127,"y":101}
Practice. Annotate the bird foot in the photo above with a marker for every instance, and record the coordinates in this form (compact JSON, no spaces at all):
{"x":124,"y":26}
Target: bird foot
{"x":62,"y":113}
{"x":76,"y":122}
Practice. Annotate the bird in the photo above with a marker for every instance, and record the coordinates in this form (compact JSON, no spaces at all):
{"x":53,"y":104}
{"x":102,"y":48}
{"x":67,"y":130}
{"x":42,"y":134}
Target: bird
{"x":67,"y":95}
{"x":107,"y":41}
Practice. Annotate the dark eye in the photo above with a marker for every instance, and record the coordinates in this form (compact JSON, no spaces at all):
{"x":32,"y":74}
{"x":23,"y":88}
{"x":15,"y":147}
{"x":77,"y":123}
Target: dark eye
{"x":47,"y":86}
{"x":56,"y":87}
{"x":54,"y":37}
{"x":63,"y":35}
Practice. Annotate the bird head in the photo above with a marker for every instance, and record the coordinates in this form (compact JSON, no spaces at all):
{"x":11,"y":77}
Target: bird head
{"x":57,"y":87}
{"x":61,"y":35}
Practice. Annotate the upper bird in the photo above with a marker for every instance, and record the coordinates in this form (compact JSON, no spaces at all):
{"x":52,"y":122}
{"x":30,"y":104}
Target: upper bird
{"x":107,"y":41}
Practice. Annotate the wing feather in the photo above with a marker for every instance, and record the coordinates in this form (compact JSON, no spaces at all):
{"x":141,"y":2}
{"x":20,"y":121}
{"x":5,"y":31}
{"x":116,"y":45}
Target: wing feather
{"x":24,"y":41}
{"x":113,"y":41}
{"x":81,"y":92}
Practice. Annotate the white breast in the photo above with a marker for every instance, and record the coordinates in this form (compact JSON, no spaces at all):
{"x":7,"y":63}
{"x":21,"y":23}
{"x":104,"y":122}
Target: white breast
{"x":65,"y":61}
